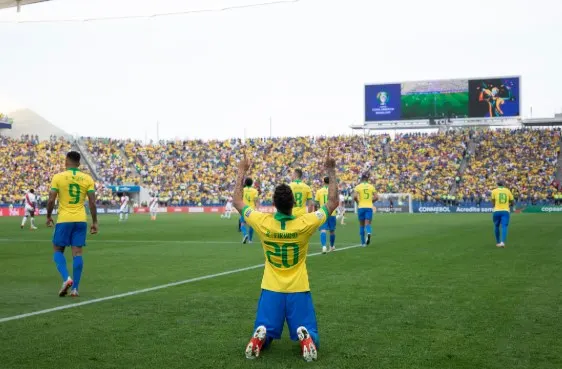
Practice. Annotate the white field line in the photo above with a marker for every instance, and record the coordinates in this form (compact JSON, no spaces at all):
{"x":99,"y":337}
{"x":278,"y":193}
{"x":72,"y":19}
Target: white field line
{"x":150,"y":289}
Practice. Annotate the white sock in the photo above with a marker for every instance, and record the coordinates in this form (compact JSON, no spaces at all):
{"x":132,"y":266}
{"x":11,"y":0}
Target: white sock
{"x":33,"y":222}
{"x":120,"y":216}
{"x":24,"y":220}
{"x":126,"y":216}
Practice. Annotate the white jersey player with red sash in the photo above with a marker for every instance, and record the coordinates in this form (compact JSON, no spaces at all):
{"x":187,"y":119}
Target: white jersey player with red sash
{"x":341,"y":209}
{"x":153,"y":206}
{"x":30,"y":203}
{"x":227,"y":209}
{"x":124,"y":209}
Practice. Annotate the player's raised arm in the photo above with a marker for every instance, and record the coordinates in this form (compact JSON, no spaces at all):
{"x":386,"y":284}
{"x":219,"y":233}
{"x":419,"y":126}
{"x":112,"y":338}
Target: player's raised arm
{"x":333,"y":198}
{"x":238,"y":196}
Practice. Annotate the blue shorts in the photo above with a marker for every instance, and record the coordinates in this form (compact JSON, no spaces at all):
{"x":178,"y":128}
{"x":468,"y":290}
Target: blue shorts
{"x":297,"y":308}
{"x":70,"y":234}
{"x":501,"y":217}
{"x":365,"y":214}
{"x":329,"y":224}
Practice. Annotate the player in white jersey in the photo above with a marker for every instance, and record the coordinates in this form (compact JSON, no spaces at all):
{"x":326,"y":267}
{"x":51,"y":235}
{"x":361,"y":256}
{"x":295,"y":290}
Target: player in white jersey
{"x":153,"y":206}
{"x":227,"y":209}
{"x":341,"y":209}
{"x":124,"y":209}
{"x":30,"y":202}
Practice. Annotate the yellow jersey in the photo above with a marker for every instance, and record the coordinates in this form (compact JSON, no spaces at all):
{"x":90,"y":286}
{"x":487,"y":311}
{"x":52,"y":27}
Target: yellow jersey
{"x":72,"y":187}
{"x":365,"y":195}
{"x":502,"y":197}
{"x":250,"y":196}
{"x":302,"y":194}
{"x":285,"y":245}
{"x":322,"y":197}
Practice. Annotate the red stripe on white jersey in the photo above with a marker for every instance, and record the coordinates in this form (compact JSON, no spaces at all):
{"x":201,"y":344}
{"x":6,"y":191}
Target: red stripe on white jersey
{"x":28,"y":202}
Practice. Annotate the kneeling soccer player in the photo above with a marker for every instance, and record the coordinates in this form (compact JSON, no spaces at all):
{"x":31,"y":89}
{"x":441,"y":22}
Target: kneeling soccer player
{"x":285,"y":292}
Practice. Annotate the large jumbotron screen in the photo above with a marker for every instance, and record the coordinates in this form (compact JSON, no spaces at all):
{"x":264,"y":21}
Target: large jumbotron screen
{"x":452,"y":98}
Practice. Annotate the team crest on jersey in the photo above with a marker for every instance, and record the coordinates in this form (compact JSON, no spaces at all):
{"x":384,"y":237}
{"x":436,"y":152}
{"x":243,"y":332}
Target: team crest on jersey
{"x":248,"y":212}
{"x":320,"y":214}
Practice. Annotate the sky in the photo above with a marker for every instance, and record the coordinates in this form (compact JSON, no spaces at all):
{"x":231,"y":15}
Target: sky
{"x":224,"y":74}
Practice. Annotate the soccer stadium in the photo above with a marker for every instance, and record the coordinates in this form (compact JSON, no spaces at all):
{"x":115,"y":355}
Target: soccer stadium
{"x":422,"y":237}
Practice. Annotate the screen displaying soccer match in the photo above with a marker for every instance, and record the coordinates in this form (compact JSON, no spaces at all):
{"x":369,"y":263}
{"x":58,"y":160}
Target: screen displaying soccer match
{"x":453,"y":98}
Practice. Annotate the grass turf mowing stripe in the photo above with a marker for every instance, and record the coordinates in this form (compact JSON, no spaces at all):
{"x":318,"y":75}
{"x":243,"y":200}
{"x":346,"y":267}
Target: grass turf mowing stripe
{"x":150,"y":289}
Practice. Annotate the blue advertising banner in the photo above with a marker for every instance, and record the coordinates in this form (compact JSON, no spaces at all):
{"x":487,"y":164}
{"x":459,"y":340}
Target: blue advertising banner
{"x":382,"y":102}
{"x":451,"y":209}
{"x":124,"y":188}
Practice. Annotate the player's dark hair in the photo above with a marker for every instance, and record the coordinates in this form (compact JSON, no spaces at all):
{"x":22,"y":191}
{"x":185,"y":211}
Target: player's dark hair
{"x":248,"y":182}
{"x":327,"y":180}
{"x":283,"y":199}
{"x":74,"y":157}
{"x":32,"y":190}
{"x":298,"y":172}
{"x":500,"y":184}
{"x":365,"y":177}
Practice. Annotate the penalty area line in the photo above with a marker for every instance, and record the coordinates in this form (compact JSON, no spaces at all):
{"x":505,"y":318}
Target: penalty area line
{"x":150,"y":289}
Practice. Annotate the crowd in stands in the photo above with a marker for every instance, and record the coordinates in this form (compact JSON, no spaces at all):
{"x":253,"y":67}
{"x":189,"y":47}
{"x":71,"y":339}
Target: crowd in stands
{"x":525,"y":159}
{"x":27,"y":163}
{"x":110,"y":162}
{"x":203,"y":172}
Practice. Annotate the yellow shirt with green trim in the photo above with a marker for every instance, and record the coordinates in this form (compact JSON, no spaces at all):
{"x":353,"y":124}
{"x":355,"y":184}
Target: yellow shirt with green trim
{"x":250,"y":196}
{"x":365,"y":194}
{"x":502,"y":197}
{"x":302,"y":194}
{"x":285,"y":244}
{"x":322,"y":198}
{"x":72,"y":187}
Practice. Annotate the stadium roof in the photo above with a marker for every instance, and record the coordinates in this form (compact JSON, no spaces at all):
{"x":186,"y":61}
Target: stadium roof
{"x":4,"y":4}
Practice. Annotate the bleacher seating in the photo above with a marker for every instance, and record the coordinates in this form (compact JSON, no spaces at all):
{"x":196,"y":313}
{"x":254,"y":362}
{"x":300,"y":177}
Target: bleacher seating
{"x":203,"y":172}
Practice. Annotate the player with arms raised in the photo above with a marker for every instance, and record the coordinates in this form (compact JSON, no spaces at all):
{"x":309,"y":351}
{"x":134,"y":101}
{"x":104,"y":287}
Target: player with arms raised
{"x":365,"y":197}
{"x":153,"y":206}
{"x":502,"y":200}
{"x":330,"y":224}
{"x":285,"y":289}
{"x":250,"y":197}
{"x":71,"y":187}
{"x":124,"y":209}
{"x":30,"y":206}
{"x":303,"y":194}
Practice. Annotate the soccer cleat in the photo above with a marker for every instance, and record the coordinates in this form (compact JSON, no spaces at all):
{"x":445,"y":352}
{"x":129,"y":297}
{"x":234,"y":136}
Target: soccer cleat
{"x":368,"y":239}
{"x":498,"y":245}
{"x":21,"y":226}
{"x":253,"y":348}
{"x":502,"y":245}
{"x":309,"y":352}
{"x":65,"y":287}
{"x":245,"y":240}
{"x":324,"y":250}
{"x":333,"y":248}
{"x":33,"y":228}
{"x":74,"y":293}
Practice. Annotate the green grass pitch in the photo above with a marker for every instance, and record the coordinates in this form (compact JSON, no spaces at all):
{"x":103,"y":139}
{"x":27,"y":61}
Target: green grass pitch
{"x":432,"y":291}
{"x":421,"y":106}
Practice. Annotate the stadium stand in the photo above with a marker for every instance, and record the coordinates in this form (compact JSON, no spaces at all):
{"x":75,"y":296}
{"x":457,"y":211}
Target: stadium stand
{"x":525,"y":159}
{"x":28,"y":163}
{"x":202,"y":172}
